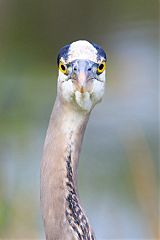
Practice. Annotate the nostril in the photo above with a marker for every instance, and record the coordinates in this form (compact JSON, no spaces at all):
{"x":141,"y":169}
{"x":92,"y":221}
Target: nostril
{"x":75,"y":69}
{"x":89,"y":69}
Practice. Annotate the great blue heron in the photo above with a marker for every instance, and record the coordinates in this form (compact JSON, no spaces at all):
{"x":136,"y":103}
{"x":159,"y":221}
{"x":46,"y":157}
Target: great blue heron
{"x":81,"y":84}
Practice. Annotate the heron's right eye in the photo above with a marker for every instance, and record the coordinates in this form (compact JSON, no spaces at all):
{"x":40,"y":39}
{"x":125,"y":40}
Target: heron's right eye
{"x":63,"y":68}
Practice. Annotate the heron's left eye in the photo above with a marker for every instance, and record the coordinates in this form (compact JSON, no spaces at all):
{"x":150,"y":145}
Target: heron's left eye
{"x":101,"y":68}
{"x":63,"y":68}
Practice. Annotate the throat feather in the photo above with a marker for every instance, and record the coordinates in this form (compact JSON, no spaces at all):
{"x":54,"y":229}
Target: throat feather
{"x":75,"y":215}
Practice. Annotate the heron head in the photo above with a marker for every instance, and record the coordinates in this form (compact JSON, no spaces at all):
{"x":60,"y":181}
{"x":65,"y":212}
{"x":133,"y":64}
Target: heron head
{"x":81,"y":80}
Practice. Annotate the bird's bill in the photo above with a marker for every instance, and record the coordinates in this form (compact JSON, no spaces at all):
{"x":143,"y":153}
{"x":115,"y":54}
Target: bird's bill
{"x":83,"y":72}
{"x":81,"y":81}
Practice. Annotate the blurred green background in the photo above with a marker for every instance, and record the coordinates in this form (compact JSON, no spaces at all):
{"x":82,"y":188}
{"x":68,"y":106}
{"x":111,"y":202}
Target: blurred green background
{"x":118,"y":168}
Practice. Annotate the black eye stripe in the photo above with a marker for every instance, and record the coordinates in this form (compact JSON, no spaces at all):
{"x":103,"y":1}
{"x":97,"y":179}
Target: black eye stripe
{"x":63,"y":53}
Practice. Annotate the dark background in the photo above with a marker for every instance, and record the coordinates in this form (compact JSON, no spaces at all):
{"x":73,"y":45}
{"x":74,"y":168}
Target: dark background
{"x":118,"y":168}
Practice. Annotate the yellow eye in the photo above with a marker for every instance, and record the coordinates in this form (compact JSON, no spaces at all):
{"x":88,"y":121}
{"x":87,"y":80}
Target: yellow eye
{"x":101,"y":68}
{"x":63,"y":68}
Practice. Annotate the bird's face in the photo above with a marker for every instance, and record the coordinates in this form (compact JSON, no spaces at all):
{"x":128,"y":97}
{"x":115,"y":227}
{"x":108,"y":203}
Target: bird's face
{"x":81,"y":80}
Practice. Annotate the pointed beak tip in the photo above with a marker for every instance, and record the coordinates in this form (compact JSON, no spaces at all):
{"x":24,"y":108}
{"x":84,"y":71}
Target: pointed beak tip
{"x":82,"y":89}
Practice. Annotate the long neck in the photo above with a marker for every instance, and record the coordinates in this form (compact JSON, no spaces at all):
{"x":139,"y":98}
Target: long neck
{"x":61,"y":209}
